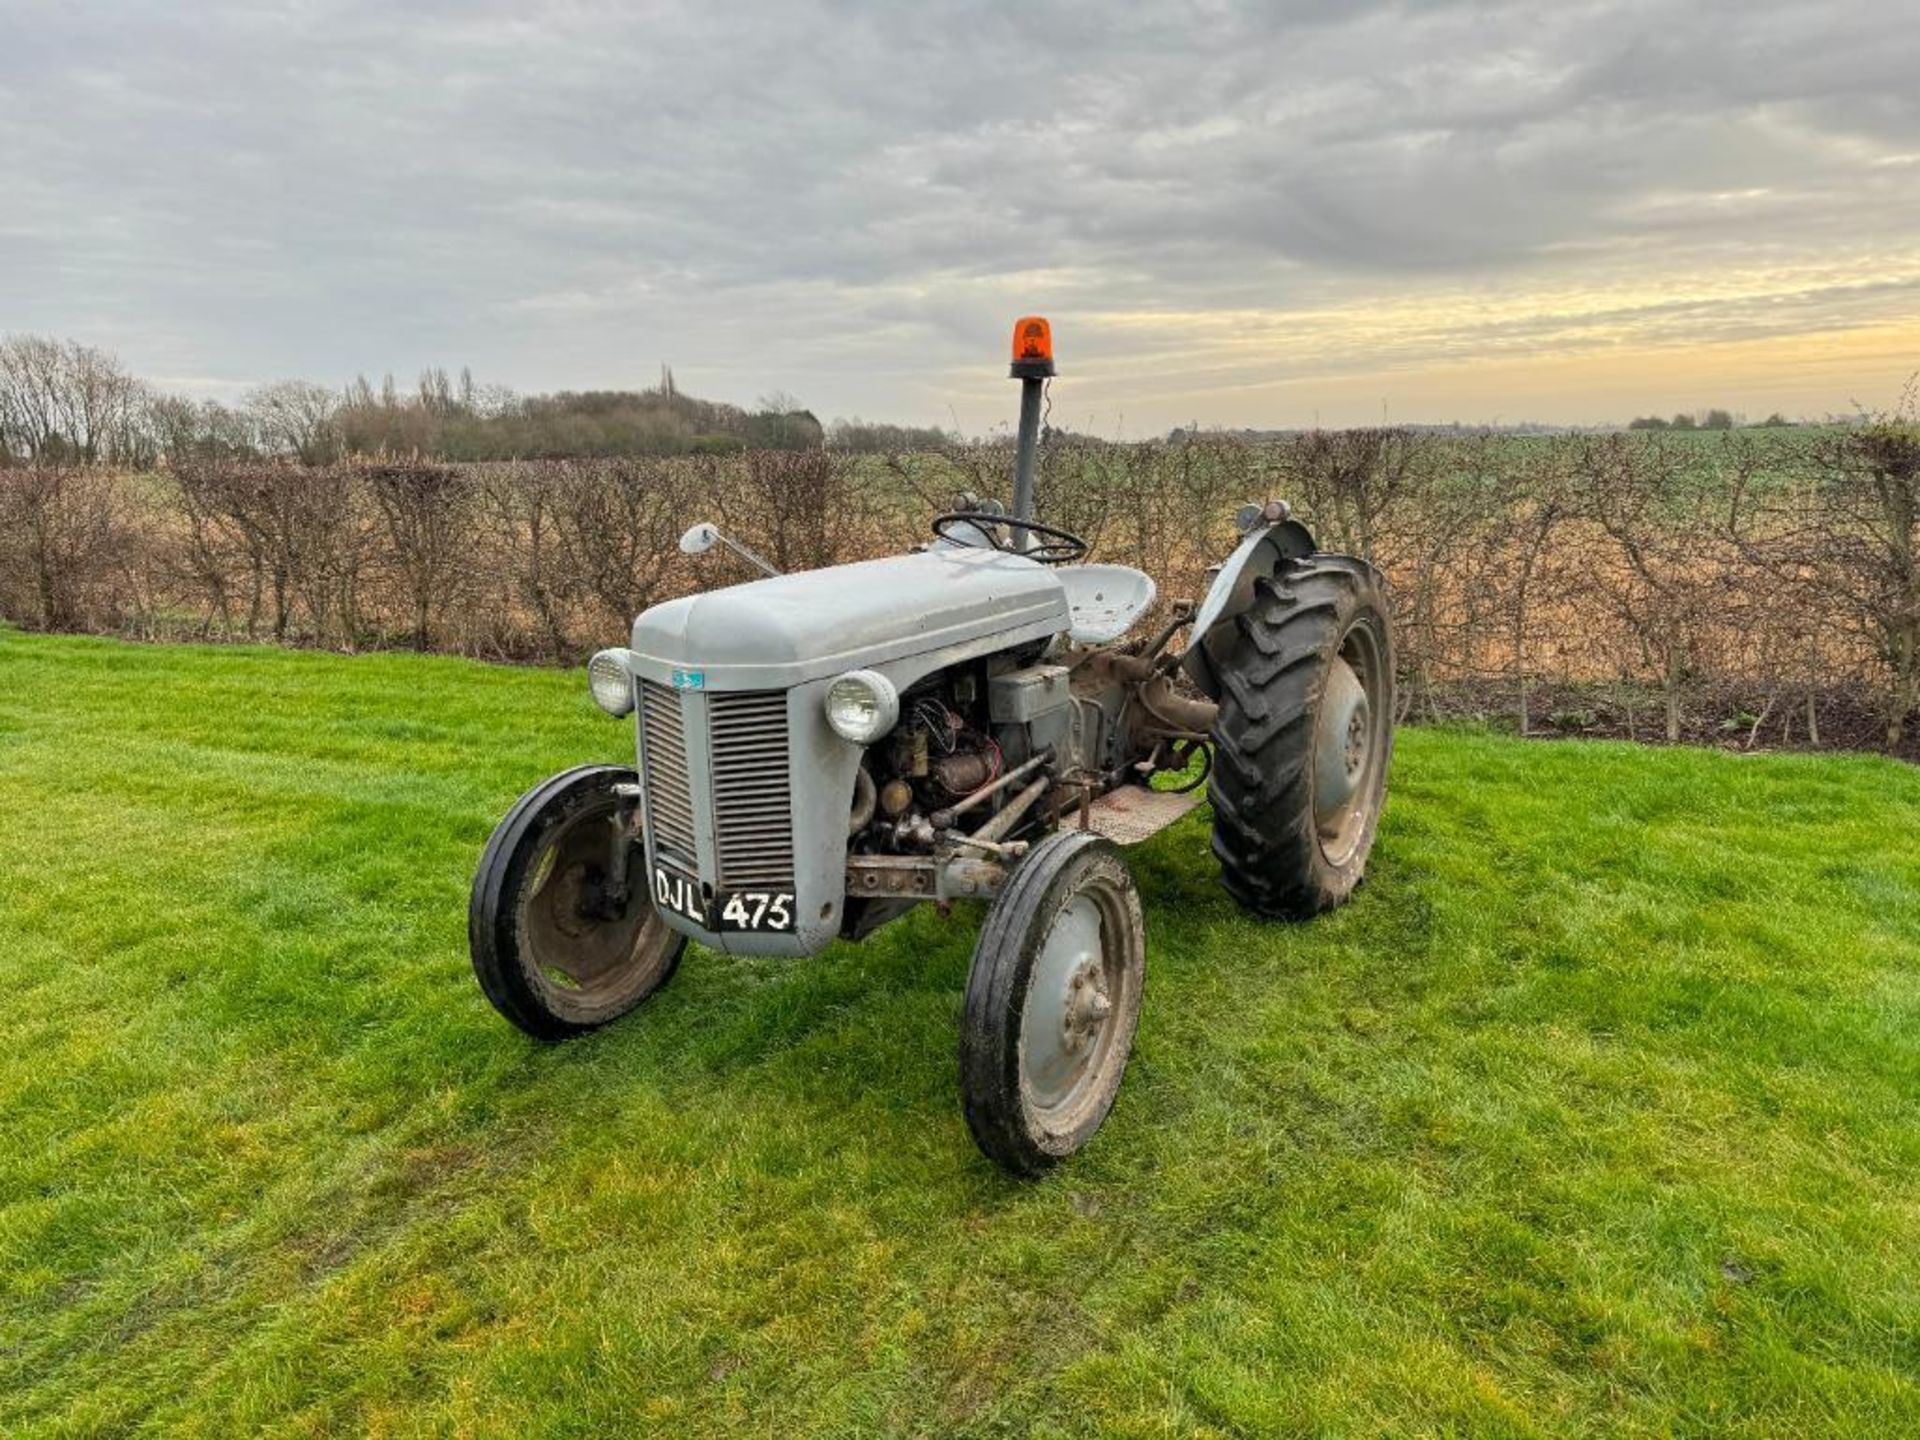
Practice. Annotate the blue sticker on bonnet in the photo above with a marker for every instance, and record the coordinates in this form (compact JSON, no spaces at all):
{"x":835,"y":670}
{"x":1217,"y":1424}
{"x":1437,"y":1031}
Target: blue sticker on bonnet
{"x":689,"y":679}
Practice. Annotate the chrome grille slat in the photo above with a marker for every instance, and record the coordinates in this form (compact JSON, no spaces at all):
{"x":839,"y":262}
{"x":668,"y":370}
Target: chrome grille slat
{"x":752,"y":793}
{"x":668,"y":789}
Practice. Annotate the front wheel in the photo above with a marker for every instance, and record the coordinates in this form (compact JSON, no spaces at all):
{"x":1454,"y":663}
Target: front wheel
{"x":561,"y":926}
{"x":1052,"y":1002}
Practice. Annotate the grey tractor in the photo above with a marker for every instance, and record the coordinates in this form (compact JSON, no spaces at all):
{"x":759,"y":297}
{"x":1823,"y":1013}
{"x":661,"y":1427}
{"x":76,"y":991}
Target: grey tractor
{"x":980,"y":719}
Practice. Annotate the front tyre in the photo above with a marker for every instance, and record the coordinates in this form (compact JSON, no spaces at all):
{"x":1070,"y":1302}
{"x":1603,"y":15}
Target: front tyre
{"x":1052,"y":1002}
{"x":559,"y":944}
{"x":1304,"y":735}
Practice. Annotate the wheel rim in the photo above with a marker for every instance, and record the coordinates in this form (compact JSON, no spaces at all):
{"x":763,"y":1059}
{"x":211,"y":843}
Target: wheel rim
{"x":1350,"y":744}
{"x":587,"y":957}
{"x":1074,"y":1006}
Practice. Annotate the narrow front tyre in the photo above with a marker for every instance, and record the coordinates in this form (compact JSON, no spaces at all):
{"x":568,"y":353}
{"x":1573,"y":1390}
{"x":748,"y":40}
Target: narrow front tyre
{"x":1052,"y":1003}
{"x":561,"y":926}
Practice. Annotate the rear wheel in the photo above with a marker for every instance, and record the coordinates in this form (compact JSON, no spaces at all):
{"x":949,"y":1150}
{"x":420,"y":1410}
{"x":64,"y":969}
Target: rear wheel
{"x":561,"y":941}
{"x":1052,"y":1002}
{"x":1304,"y":736}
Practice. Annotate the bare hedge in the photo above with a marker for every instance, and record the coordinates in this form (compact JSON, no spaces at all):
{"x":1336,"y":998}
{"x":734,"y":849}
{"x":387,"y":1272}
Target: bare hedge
{"x":1757,"y":587}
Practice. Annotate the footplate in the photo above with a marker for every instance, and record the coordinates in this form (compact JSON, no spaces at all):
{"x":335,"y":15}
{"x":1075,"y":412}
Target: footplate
{"x":1132,"y":813}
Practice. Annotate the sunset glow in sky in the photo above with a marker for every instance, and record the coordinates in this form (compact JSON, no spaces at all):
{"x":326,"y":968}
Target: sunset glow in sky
{"x":1242,"y":215}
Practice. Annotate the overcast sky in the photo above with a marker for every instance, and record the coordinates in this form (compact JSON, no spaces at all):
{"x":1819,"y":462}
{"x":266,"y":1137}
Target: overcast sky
{"x":1256,"y":214}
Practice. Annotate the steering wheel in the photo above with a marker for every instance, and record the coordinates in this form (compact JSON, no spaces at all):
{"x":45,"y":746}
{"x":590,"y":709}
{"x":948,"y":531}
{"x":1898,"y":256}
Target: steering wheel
{"x":1055,"y":546}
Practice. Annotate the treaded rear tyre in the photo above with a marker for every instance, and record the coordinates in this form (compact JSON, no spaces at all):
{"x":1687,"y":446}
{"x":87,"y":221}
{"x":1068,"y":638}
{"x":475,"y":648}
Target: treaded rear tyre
{"x":1280,"y":856}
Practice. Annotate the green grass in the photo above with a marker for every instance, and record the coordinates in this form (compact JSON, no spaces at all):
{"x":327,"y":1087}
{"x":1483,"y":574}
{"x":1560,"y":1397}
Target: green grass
{"x":1595,"y":1112}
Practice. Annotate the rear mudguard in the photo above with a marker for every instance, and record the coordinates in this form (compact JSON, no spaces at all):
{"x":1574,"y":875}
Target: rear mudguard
{"x":1265,"y":548}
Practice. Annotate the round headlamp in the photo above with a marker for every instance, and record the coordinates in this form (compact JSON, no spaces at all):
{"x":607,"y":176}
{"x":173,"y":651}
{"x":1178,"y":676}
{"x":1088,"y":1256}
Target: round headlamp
{"x":862,"y":706}
{"x":611,"y":681}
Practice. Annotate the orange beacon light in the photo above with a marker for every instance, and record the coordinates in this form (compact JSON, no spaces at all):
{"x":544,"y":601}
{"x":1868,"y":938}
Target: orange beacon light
{"x":1032,"y":348}
{"x":1032,"y":367}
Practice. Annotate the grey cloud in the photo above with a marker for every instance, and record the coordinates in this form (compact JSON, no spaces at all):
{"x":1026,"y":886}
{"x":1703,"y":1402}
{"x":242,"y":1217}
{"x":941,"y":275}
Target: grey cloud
{"x":833,"y":197}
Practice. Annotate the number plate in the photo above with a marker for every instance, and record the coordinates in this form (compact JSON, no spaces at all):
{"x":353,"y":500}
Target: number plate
{"x":677,"y":894}
{"x":762,"y":911}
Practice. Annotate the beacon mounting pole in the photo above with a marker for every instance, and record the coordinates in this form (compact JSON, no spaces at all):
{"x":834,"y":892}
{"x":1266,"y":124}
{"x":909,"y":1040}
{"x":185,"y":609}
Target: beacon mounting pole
{"x":1032,"y":367}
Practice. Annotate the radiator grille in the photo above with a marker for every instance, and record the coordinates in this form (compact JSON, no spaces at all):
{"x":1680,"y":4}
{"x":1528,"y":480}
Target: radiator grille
{"x":752,"y":803}
{"x":668,"y":792}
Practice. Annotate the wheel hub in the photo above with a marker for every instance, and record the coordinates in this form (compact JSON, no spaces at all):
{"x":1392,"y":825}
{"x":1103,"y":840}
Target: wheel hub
{"x":1069,"y":1006}
{"x":584,"y":950}
{"x":1343,"y":737}
{"x":1085,"y":1006}
{"x":566,"y":895}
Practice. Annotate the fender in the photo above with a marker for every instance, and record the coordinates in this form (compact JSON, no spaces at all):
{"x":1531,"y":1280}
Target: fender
{"x":1268,"y":544}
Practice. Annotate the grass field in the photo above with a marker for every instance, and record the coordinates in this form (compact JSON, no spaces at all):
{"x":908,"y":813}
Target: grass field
{"x":1597,"y":1111}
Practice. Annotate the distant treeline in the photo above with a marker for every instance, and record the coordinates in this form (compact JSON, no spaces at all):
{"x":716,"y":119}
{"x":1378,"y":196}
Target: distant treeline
{"x":62,"y":403}
{"x":1706,"y":420}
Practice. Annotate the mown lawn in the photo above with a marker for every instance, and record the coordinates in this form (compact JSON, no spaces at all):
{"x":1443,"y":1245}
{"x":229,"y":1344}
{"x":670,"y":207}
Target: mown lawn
{"x":1598,"y":1111}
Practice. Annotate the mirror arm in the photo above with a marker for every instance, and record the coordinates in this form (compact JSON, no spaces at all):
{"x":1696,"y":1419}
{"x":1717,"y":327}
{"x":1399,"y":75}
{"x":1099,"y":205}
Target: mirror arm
{"x":704,"y":536}
{"x":744,"y":553}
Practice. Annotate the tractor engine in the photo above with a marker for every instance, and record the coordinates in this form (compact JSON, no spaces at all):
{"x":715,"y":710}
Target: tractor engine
{"x":940,"y":752}
{"x":960,"y":731}
{"x":965,"y":734}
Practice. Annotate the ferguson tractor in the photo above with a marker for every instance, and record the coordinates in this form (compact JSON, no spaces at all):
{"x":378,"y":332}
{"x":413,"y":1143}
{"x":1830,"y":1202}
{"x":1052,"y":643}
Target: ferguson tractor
{"x":819,"y":753}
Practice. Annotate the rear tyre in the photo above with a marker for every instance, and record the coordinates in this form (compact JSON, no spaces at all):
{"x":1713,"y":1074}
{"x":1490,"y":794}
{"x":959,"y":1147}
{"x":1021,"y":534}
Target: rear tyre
{"x":1304,"y":735}
{"x":1052,"y":1003}
{"x":557,"y":946}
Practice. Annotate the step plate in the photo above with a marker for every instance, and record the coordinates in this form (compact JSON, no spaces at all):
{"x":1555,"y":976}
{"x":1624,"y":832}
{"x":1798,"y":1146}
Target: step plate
{"x":1131,"y":814}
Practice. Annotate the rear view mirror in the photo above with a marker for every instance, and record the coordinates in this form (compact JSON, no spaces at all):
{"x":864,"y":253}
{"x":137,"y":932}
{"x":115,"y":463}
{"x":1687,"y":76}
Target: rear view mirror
{"x":704,"y":536}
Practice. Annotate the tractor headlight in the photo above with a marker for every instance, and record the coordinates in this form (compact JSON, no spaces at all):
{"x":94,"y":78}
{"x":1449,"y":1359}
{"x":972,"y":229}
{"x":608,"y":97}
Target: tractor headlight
{"x":611,"y":681}
{"x":862,"y":706}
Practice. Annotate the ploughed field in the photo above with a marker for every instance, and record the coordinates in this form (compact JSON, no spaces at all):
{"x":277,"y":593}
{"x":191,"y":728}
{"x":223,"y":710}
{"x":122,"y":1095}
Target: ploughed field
{"x":1597,"y":1111}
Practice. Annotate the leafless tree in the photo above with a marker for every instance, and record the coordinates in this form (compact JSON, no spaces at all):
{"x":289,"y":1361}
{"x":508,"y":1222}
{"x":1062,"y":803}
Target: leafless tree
{"x":63,"y":403}
{"x":520,"y":507}
{"x":1848,"y":537}
{"x":1351,"y":484}
{"x":1536,"y":507}
{"x":183,"y":430}
{"x":428,"y":518}
{"x":1664,"y":576}
{"x":65,"y":541}
{"x":301,"y":537}
{"x":796,"y":507}
{"x":296,"y":418}
{"x":616,"y":526}
{"x":1451,"y":554}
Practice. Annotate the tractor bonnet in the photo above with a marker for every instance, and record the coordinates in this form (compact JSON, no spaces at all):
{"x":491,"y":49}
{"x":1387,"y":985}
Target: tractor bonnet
{"x":777,"y":633}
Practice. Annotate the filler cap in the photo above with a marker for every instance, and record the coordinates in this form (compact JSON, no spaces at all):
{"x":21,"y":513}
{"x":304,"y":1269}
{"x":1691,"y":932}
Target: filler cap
{"x":1032,"y":348}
